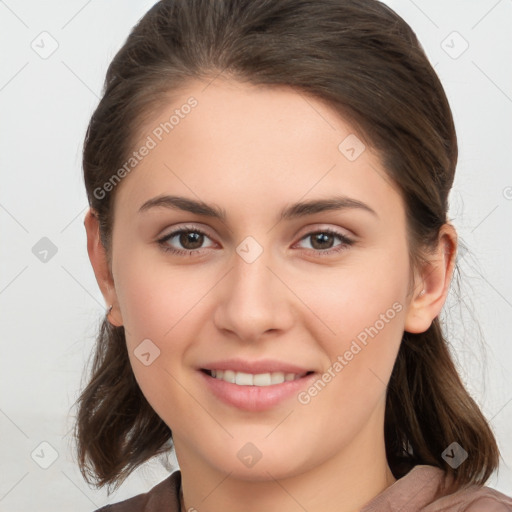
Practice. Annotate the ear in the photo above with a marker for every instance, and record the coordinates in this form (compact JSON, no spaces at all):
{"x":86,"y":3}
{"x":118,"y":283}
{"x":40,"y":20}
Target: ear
{"x":432,"y":282}
{"x":99,"y":262}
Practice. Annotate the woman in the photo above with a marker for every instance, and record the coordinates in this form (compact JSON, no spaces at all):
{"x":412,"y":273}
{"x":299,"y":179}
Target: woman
{"x":268,"y":184}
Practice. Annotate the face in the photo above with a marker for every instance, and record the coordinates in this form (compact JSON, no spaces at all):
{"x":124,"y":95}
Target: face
{"x":255,"y":285}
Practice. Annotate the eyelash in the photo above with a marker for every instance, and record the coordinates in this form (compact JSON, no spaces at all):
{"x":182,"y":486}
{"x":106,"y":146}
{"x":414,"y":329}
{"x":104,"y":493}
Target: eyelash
{"x":345,"y":242}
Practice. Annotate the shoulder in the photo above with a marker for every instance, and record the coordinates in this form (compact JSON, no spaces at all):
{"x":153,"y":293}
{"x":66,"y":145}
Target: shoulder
{"x":163,"y":497}
{"x":473,"y":499}
{"x":424,"y":489}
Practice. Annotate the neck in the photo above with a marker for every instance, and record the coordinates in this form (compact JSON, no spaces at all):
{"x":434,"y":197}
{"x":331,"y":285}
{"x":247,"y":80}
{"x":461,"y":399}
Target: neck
{"x":343,"y":483}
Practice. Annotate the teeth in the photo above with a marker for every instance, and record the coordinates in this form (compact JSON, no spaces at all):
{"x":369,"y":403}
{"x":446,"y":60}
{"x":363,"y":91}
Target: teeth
{"x":262,"y":379}
{"x":249,"y":379}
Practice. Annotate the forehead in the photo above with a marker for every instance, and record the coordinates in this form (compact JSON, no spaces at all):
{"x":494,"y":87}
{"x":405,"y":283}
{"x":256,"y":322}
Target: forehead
{"x":227,"y":141}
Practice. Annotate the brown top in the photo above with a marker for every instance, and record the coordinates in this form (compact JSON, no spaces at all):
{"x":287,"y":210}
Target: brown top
{"x":417,"y":491}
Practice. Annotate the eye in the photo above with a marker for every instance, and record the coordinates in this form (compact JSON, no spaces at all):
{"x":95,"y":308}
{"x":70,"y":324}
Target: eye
{"x":190,"y":238}
{"x":322,"y":241}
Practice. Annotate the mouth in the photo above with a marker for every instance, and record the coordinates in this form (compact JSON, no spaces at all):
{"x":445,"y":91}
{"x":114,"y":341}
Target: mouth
{"x":254,"y":392}
{"x":254,"y":379}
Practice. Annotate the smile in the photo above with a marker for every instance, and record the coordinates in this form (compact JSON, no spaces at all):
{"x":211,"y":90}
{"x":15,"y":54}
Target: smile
{"x":255,"y":392}
{"x":250,"y":379}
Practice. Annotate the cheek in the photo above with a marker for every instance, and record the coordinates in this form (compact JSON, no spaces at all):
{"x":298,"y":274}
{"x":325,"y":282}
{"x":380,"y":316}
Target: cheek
{"x":354,"y":297}
{"x":155,"y":297}
{"x":364,"y":307}
{"x":157,"y":306}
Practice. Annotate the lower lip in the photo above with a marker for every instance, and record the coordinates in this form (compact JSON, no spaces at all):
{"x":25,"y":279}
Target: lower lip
{"x":255,"y":398}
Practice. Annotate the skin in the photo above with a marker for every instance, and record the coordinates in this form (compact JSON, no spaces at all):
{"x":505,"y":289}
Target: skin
{"x":253,"y":151}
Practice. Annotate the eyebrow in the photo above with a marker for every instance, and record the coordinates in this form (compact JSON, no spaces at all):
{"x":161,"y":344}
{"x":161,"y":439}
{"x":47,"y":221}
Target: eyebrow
{"x":296,"y":210}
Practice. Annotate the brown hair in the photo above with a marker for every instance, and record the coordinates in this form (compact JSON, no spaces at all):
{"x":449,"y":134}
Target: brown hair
{"x":365,"y":62}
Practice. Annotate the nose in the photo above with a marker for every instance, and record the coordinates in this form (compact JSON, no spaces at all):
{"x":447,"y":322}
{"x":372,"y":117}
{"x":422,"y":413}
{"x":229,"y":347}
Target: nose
{"x":254,"y":299}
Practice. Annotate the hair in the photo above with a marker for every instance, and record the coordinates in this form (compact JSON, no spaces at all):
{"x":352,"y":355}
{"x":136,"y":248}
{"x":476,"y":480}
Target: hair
{"x":365,"y":62}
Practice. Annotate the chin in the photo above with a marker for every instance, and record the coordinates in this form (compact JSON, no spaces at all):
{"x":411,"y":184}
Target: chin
{"x":245,"y":461}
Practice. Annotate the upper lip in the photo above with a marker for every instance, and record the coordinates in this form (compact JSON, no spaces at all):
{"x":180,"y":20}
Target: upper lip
{"x":255,"y":367}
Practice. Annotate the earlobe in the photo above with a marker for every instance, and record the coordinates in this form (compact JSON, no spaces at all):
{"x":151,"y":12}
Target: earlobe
{"x":99,"y":262}
{"x":433,"y":283}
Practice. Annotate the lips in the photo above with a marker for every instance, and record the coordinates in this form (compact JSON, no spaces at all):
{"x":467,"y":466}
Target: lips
{"x":254,"y":385}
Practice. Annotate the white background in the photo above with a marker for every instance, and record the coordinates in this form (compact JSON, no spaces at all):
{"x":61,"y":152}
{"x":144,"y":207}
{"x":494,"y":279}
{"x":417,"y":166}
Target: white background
{"x":50,"y":311}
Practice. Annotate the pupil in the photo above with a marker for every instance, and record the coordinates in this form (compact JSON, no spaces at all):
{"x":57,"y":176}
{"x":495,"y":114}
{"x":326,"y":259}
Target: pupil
{"x":191,"y":240}
{"x":319,"y":238}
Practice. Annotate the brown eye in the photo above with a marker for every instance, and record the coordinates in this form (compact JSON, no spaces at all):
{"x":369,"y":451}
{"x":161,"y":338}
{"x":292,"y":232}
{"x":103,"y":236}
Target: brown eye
{"x":191,"y":239}
{"x":187,"y":240}
{"x":322,"y":241}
